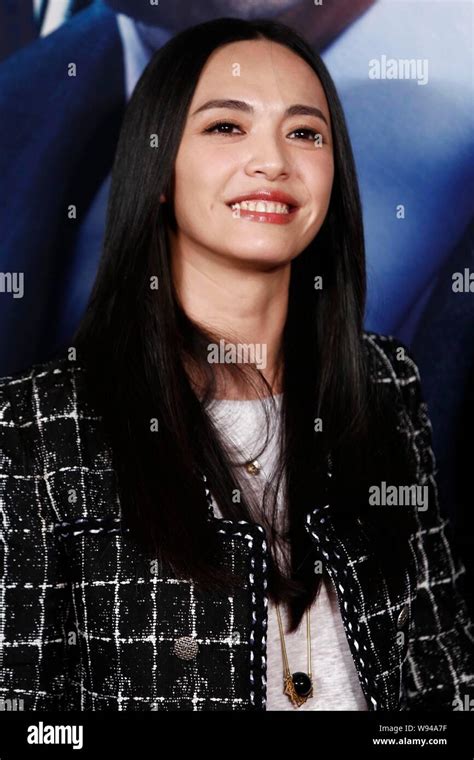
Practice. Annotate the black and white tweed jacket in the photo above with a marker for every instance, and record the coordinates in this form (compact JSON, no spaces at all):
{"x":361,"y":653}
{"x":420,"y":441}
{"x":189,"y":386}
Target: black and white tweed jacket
{"x":87,"y":624}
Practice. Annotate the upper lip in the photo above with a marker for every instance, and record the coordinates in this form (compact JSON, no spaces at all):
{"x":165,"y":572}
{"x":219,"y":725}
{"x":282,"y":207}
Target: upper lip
{"x":277,"y":196}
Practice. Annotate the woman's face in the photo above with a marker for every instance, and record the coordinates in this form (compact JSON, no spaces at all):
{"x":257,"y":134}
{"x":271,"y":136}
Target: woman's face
{"x":263,"y":149}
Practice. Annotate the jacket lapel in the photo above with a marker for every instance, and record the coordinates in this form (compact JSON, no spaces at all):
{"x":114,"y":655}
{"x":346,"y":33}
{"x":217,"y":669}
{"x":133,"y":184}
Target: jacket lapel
{"x":367,"y":608}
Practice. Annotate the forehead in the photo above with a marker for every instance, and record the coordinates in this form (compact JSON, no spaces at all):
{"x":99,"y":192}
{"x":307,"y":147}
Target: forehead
{"x":261,"y":71}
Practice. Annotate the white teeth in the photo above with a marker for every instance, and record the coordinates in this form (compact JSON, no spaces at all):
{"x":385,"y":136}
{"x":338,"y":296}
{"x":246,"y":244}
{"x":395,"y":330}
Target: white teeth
{"x":262,"y":206}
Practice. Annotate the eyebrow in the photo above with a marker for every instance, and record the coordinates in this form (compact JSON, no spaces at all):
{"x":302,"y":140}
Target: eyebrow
{"x":299,"y":109}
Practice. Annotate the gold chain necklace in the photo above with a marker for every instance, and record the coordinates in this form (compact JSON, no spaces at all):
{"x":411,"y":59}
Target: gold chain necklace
{"x":298,"y":686}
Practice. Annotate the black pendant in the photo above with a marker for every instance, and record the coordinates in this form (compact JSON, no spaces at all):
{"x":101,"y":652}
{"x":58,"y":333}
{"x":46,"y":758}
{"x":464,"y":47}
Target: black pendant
{"x":299,"y":688}
{"x":302,"y":684}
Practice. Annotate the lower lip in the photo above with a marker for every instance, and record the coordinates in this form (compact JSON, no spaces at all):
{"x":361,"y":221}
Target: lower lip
{"x":266,"y":217}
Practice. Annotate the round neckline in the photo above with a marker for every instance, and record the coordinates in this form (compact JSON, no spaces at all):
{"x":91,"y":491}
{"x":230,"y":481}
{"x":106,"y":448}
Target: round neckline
{"x":266,"y":399}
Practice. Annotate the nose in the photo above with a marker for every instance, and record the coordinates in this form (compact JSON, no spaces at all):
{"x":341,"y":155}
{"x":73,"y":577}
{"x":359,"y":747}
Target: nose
{"x":268,"y":156}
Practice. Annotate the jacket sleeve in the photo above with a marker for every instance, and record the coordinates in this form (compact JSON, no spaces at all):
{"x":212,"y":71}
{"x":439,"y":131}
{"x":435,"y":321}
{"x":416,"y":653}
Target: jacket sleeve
{"x":440,"y":660}
{"x":34,"y":592}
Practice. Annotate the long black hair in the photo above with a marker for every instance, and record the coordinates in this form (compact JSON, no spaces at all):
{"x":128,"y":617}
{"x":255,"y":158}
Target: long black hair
{"x":138,"y":344}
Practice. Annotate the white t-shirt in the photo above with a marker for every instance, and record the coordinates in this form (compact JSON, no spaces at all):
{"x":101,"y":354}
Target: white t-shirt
{"x":336,"y":684}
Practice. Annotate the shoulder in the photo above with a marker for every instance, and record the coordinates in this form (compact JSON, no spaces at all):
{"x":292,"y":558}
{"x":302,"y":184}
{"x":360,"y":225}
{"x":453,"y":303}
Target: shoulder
{"x":48,"y":423}
{"x":391,"y":361}
{"x":393,"y":364}
{"x":41,"y":391}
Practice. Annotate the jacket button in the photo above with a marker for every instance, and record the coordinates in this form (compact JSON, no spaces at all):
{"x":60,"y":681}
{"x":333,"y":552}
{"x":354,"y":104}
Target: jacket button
{"x":186,"y":648}
{"x":402,"y":617}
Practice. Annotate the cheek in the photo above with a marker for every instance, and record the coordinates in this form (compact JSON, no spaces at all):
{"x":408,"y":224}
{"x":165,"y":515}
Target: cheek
{"x":187,"y":195}
{"x":202,"y":178}
{"x":196,"y":194}
{"x":185,"y":178}
{"x":319,"y":181}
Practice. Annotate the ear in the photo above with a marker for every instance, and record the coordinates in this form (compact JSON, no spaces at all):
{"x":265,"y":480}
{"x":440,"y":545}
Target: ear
{"x":162,"y":198}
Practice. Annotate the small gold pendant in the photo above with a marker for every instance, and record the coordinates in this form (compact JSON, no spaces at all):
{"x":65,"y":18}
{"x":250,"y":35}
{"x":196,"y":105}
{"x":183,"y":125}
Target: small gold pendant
{"x":296,"y":698}
{"x":253,"y":468}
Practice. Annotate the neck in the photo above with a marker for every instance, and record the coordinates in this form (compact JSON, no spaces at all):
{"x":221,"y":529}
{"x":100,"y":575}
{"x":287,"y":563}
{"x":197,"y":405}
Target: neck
{"x":245,"y":305}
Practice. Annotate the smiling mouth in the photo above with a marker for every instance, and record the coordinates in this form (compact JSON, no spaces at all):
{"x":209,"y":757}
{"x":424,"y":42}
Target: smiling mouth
{"x":263,"y":211}
{"x":263,"y":207}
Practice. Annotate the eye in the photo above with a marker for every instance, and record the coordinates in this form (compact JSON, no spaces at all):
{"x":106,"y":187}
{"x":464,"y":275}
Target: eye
{"x":222,"y":128}
{"x":213,"y":127}
{"x":311,"y":134}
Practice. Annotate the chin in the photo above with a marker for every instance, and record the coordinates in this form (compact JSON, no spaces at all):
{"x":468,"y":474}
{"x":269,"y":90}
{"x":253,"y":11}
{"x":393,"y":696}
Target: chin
{"x":263,"y":259}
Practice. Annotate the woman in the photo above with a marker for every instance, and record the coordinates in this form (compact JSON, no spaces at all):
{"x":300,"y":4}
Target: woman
{"x":162,"y":548}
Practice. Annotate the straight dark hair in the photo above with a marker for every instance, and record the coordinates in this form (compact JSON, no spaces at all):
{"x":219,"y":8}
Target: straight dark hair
{"x":138,"y":344}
